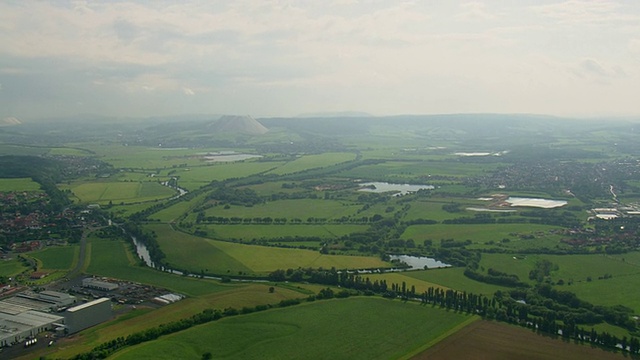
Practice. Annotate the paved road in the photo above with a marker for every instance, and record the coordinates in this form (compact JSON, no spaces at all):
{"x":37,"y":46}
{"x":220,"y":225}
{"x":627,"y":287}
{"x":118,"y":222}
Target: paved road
{"x":83,"y":251}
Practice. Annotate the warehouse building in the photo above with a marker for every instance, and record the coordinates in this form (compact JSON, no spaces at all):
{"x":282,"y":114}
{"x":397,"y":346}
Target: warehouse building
{"x":18,"y":323}
{"x":89,"y":314}
{"x":58,"y":298}
{"x":45,"y":301}
{"x":93,"y":283}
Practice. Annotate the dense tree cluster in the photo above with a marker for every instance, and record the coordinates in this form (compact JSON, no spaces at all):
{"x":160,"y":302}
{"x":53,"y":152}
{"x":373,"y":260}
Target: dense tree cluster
{"x":235,"y":196}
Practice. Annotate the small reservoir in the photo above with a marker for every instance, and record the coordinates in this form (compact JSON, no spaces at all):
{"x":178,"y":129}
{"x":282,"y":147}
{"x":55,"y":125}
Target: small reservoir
{"x":419,"y":262}
{"x":400,"y":189}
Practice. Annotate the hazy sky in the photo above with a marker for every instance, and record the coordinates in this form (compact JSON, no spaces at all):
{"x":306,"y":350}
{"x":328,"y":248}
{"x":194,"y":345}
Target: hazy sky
{"x":283,"y":58}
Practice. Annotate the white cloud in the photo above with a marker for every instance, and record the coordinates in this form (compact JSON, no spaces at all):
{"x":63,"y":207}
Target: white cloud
{"x":594,"y":12}
{"x":340,"y":53}
{"x":593,"y":67}
{"x":474,"y":10}
{"x":634,"y":46}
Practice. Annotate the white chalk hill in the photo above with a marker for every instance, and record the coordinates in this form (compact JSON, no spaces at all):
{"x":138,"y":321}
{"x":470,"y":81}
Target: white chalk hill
{"x":238,"y":124}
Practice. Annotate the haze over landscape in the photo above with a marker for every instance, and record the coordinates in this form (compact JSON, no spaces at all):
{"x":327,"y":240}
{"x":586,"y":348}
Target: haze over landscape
{"x":281,"y":58}
{"x":335,"y":179}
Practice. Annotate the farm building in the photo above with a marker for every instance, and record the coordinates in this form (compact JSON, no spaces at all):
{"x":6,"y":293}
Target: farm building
{"x":19,"y":322}
{"x":93,"y":283}
{"x":89,"y":314}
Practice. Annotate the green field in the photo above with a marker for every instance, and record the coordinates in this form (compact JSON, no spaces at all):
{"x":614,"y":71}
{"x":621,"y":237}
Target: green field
{"x":454,"y":278}
{"x":620,"y":287}
{"x":10,"y":149}
{"x":307,"y":162}
{"x":356,"y":328}
{"x":117,"y":192}
{"x":301,"y":208}
{"x":141,"y":157}
{"x":246,"y":233}
{"x":113,"y":258}
{"x":194,"y":177}
{"x":11,"y":267}
{"x":173,"y":212}
{"x":196,"y":254}
{"x":142,"y":318}
{"x":68,"y":151}
{"x":57,"y":258}
{"x":18,"y":184}
{"x":485,"y":233}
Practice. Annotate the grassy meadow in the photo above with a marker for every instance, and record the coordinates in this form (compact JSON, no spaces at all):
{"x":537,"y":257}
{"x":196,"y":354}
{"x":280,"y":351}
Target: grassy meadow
{"x":194,"y":177}
{"x":113,"y":258}
{"x":57,"y":258}
{"x":198,"y":254}
{"x":307,"y":162}
{"x":246,"y":233}
{"x":453,"y":278}
{"x":18,"y":184}
{"x":590,"y":275}
{"x":300,"y":208}
{"x":483,"y":234}
{"x":119,"y":192}
{"x":11,"y":267}
{"x":175,"y":211}
{"x":321,"y":330}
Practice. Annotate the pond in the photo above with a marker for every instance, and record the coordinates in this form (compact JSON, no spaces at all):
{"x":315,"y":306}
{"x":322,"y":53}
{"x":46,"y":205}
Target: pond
{"x":401,"y":189}
{"x":228,"y":156}
{"x":490,"y":210}
{"x":419,"y":262}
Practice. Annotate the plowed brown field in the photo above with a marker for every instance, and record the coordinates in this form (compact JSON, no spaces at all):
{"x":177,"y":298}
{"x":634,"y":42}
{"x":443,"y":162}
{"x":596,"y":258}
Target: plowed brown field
{"x":496,"y":341}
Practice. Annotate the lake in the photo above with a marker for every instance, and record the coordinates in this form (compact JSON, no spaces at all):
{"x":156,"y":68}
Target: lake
{"x":228,"y":156}
{"x":419,"y":262}
{"x":401,"y":189}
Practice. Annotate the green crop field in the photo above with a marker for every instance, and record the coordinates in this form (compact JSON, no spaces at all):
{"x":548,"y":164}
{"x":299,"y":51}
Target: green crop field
{"x":69,"y":151}
{"x":197,"y":254}
{"x":57,"y":258}
{"x":103,"y":192}
{"x":128,"y":209}
{"x":9,"y":149}
{"x":307,"y":162}
{"x":173,"y":212}
{"x":301,"y":208}
{"x":142,"y":318}
{"x":11,"y":267}
{"x":399,"y":277}
{"x":18,"y":184}
{"x":335,"y":329}
{"x":140,"y":157}
{"x":484,"y":233}
{"x":194,"y":177}
{"x":247,"y":233}
{"x":454,"y":278}
{"x":113,"y":258}
{"x":624,"y":272}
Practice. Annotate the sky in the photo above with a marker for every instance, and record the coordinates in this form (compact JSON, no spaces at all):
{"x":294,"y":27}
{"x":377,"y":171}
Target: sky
{"x":284,"y":58}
